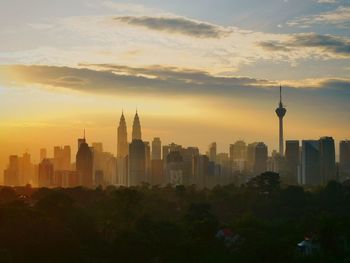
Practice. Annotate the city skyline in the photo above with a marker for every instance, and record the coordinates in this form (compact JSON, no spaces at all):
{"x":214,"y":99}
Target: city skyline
{"x":68,"y":66}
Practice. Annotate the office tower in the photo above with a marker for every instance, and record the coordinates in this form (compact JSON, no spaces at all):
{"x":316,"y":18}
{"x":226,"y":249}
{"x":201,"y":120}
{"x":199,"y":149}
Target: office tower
{"x":84,"y":164}
{"x":212,"y":152}
{"x":174,"y":169}
{"x":122,"y":171}
{"x":81,"y":140}
{"x":238,"y":150}
{"x":344,"y":160}
{"x":58,"y":158}
{"x":310,"y":163}
{"x":26,"y":169}
{"x":43,"y":154}
{"x":147,"y":162}
{"x":46,"y":174}
{"x":11,"y":174}
{"x":251,"y":156}
{"x":156,"y":149}
{"x":281,"y":112}
{"x":136,"y":163}
{"x":327,"y":159}
{"x":136,"y":128}
{"x":110,"y":171}
{"x":122,"y":150}
{"x":238,"y":155}
{"x":292,"y":160}
{"x":200,"y":169}
{"x":170,"y":148}
{"x":260,"y":158}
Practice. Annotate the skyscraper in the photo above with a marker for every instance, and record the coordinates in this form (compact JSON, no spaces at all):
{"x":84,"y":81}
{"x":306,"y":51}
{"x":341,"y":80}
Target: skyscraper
{"x":344,"y":160}
{"x":238,"y":150}
{"x":260,"y":160}
{"x":136,"y":163}
{"x":84,"y":164}
{"x":136,"y":128}
{"x":122,"y":150}
{"x":292,"y":158}
{"x":327,"y":158}
{"x":310,"y":163}
{"x":11,"y":174}
{"x":46,"y":173}
{"x":212,"y":152}
{"x":281,"y":112}
{"x":156,"y":149}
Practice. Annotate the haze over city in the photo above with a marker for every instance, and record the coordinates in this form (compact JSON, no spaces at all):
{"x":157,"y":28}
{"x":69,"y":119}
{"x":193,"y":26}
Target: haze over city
{"x":189,"y":67}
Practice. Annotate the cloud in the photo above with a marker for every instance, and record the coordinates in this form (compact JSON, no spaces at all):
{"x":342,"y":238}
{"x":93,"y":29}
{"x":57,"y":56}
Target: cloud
{"x":178,"y":25}
{"x":339,"y":17}
{"x":337,"y":46}
{"x":152,"y":80}
{"x":115,"y":79}
{"x":327,"y":1}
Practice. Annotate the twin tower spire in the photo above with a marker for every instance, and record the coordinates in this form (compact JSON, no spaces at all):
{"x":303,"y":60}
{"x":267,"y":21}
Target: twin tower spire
{"x":122,"y":150}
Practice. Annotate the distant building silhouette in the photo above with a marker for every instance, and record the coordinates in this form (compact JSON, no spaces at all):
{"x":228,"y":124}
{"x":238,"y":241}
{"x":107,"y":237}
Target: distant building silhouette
{"x":122,"y":149}
{"x":344,"y":160}
{"x":136,"y":163}
{"x":136,"y":128}
{"x":156,"y":149}
{"x":11,"y":174}
{"x":260,"y":158}
{"x":327,"y":159}
{"x":292,"y":160}
{"x":310,"y":163}
{"x":46,"y":174}
{"x":212,"y":152}
{"x":84,"y":164}
{"x":174,"y":169}
{"x":281,"y":112}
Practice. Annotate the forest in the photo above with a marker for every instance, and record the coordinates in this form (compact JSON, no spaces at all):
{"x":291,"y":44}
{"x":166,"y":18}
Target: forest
{"x":261,"y":221}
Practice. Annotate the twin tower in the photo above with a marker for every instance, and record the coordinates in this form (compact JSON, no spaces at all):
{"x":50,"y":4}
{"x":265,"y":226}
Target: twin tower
{"x":123,"y":146}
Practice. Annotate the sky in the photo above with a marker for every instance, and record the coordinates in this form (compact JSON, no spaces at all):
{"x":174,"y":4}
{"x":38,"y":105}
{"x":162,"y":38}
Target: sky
{"x":198,"y":71}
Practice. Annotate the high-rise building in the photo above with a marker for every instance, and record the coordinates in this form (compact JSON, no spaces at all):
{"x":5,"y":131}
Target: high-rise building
{"x":174,"y":169}
{"x":84,"y":164}
{"x":147,"y":162}
{"x":62,"y":158}
{"x":122,"y":149}
{"x":327,"y":159}
{"x":281,"y":112}
{"x":26,"y":169}
{"x":46,"y":173}
{"x":260,"y":158}
{"x":212,"y":152}
{"x":251,"y":156}
{"x":200,"y":169}
{"x":136,"y":163}
{"x":238,"y":150}
{"x":136,"y":128}
{"x":11,"y":174}
{"x":170,"y":148}
{"x":344,"y":160}
{"x":156,"y":149}
{"x":310,"y":163}
{"x":292,"y":160}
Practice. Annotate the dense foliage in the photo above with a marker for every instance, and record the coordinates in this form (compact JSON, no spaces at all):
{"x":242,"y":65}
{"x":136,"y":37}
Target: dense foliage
{"x":153,"y":224}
